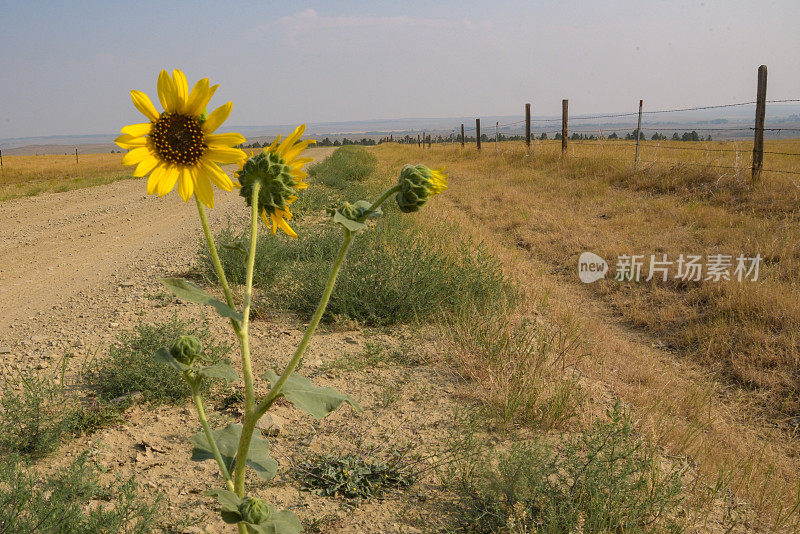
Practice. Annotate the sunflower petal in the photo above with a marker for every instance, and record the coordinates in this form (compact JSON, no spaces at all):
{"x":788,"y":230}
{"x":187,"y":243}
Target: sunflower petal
{"x":135,"y":156}
{"x":273,"y":145}
{"x":283,"y":225}
{"x":298,"y":163}
{"x":295,"y":151}
{"x":290,"y":140}
{"x":203,"y":189}
{"x":186,"y":183}
{"x":217,"y":117}
{"x":169,"y":176}
{"x":145,"y":166}
{"x":155,"y":178}
{"x":166,"y":92}
{"x":225,"y":154}
{"x":137,"y":130}
{"x":199,"y":97}
{"x":225,"y":140}
{"x":216,"y":175}
{"x":130,"y":141}
{"x":181,"y":89}
{"x":144,"y":105}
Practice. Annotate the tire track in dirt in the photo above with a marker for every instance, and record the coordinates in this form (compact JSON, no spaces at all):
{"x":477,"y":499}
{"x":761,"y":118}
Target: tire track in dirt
{"x":59,"y":247}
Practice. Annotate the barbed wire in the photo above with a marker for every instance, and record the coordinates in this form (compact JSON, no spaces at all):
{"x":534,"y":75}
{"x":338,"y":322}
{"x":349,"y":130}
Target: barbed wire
{"x":659,"y":111}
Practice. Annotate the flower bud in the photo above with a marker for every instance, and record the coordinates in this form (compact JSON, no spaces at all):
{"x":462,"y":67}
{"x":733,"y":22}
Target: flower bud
{"x":254,"y":510}
{"x":418,"y":184}
{"x":350,"y":211}
{"x":186,"y":350}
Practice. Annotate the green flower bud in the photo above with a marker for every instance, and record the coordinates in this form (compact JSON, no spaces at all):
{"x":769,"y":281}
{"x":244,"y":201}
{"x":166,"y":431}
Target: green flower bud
{"x":278,"y":183}
{"x":350,"y":211}
{"x":418,"y":184}
{"x":186,"y":350}
{"x":254,"y":510}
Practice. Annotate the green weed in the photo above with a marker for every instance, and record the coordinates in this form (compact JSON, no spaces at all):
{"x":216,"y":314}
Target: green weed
{"x":346,"y":165}
{"x":71,"y":501}
{"x":393,"y":274}
{"x":353,"y":477}
{"x":129,"y":368}
{"x":601,"y":480}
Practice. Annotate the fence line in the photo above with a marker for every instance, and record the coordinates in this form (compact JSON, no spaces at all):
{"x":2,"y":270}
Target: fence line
{"x":758,"y":129}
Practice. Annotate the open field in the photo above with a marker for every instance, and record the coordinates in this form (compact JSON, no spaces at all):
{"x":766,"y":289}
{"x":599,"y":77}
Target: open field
{"x":473,"y":336}
{"x":23,"y":176}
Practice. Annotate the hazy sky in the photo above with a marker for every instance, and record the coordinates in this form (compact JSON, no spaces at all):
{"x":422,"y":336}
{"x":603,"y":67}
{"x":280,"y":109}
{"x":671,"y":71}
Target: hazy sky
{"x":66,"y":67}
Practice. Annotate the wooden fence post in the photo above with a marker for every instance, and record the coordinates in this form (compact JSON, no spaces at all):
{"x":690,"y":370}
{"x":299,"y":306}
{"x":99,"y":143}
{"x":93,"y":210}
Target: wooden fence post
{"x":496,"y":135}
{"x":429,"y":141}
{"x":478,"y":132}
{"x":564,"y":125}
{"x":638,"y":136}
{"x":1,"y":159}
{"x":761,"y":107}
{"x":418,"y":145}
{"x":463,"y":139}
{"x":76,"y":155}
{"x":528,"y":126}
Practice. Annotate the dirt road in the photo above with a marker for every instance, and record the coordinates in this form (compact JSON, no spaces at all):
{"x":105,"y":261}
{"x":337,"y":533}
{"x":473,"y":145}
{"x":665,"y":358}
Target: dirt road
{"x":86,"y":252}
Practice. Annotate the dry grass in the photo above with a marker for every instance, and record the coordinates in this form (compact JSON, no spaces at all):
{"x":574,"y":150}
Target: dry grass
{"x":23,"y":176}
{"x":720,"y":395}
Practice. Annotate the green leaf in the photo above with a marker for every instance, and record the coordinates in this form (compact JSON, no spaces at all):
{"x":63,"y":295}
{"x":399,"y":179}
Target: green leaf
{"x":183,"y":289}
{"x":350,"y":224}
{"x":222,"y":370}
{"x":163,"y":355}
{"x":281,"y":523}
{"x":231,"y":517}
{"x":229,"y":502}
{"x":228,"y":499}
{"x":227,"y":440}
{"x":318,"y":402}
{"x":238,"y":247}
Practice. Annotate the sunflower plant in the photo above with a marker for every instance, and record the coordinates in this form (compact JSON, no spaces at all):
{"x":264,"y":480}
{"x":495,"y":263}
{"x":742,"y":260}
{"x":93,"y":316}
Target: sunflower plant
{"x":179,"y":146}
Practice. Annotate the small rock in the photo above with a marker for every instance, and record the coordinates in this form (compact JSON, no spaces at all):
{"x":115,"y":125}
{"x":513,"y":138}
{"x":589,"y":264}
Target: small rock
{"x":126,"y":283}
{"x":113,"y":325}
{"x":5,"y":350}
{"x":270,"y":424}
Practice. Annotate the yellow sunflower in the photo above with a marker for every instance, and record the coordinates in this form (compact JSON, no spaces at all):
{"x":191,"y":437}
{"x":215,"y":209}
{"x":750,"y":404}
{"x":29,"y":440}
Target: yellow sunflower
{"x":179,"y":145}
{"x":279,"y":170}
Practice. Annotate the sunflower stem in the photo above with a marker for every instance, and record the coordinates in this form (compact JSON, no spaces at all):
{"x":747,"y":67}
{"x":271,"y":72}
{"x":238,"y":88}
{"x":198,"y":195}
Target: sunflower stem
{"x":381,"y":199}
{"x":201,"y":414}
{"x":275,"y":391}
{"x":249,"y":422}
{"x":212,"y":248}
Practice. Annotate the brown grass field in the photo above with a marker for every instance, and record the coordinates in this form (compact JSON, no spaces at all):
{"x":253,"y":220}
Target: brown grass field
{"x":23,"y":176}
{"x":710,"y":369}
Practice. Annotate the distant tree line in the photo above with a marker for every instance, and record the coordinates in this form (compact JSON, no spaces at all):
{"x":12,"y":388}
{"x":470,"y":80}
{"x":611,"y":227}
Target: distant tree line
{"x":487,"y":138}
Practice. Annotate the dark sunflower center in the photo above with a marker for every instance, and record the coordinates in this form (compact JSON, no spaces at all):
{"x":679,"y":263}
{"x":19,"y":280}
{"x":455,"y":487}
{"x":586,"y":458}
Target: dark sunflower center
{"x":178,"y":139}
